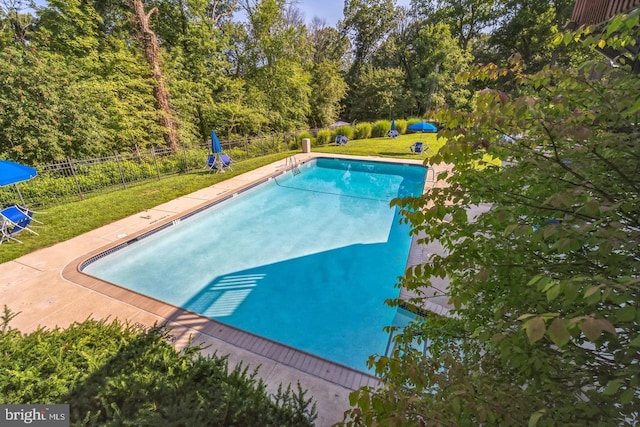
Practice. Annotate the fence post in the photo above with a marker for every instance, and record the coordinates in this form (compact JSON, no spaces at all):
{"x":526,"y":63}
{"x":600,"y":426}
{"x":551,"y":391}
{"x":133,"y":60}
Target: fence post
{"x":124,"y":184}
{"x":155,"y":161}
{"x":75,"y":178}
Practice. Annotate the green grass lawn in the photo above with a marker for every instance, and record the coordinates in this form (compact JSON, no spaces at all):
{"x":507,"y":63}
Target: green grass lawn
{"x":386,"y":147}
{"x":63,"y":222}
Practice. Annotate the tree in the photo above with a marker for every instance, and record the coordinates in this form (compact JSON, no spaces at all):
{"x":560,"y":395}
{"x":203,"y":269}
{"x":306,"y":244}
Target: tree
{"x":544,"y":279}
{"x":327,"y":43}
{"x":379,"y":92}
{"x":77,"y":88}
{"x":196,"y":62}
{"x":152,"y":54}
{"x":436,"y":62}
{"x":51,"y":109}
{"x":327,"y":90}
{"x":529,"y":28}
{"x":278,"y":59}
{"x":366,"y":22}
{"x":14,"y":23}
{"x":328,"y":87}
{"x":466,"y":19}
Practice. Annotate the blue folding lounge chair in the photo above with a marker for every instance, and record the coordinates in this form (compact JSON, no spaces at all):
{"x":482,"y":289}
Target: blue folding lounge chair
{"x":15,"y":219}
{"x":416,"y":147}
{"x":341,"y":140}
{"x":219,"y":162}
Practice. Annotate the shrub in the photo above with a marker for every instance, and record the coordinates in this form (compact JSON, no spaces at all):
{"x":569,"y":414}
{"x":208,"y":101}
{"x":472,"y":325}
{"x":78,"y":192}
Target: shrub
{"x":297,"y":143}
{"x":264,"y":146}
{"x":294,"y":144}
{"x":304,"y":135}
{"x":324,"y":137}
{"x":121,"y":374}
{"x":363,"y":130}
{"x":237,"y":154}
{"x":347,"y":131}
{"x":380,"y":128}
{"x":401,"y":126}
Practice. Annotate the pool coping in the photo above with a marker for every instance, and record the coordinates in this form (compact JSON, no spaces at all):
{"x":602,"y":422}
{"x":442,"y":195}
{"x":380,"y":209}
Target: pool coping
{"x":317,"y":366}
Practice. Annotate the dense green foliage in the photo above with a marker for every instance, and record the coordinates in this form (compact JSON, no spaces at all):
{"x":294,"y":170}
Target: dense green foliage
{"x":543,"y":277}
{"x":121,"y":374}
{"x":75,"y":79}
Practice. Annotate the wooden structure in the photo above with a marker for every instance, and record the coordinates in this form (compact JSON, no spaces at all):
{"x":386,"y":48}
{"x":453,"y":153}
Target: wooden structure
{"x":590,"y":12}
{"x":598,"y":13}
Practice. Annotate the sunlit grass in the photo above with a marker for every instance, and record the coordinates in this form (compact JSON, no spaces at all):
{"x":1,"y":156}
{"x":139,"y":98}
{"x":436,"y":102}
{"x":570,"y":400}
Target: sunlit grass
{"x":387,"y":147}
{"x":63,"y":222}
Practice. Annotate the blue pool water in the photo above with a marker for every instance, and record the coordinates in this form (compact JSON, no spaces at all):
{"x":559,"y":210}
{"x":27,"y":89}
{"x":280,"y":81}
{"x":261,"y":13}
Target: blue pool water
{"x":304,"y":259}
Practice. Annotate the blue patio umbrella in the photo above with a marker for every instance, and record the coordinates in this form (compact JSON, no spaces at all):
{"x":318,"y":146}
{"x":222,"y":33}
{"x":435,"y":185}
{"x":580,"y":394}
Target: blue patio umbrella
{"x":13,"y":173}
{"x":215,"y":143}
{"x":393,"y":124}
{"x":422,"y":127}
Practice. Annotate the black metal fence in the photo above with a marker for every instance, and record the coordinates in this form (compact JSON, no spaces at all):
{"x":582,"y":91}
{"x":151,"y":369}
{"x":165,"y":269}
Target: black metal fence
{"x":74,"y":179}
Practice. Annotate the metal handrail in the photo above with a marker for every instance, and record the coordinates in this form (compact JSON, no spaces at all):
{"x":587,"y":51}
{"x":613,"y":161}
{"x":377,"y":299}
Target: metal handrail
{"x":292,"y":164}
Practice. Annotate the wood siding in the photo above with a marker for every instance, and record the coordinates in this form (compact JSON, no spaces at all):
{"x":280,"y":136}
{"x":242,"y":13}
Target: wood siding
{"x":588,"y":12}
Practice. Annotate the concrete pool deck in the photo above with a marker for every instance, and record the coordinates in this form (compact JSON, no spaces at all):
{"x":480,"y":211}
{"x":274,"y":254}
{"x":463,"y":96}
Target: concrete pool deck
{"x":48,"y":291}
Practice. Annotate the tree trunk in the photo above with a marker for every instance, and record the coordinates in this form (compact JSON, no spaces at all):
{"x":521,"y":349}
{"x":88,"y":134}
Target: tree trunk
{"x":151,"y":52}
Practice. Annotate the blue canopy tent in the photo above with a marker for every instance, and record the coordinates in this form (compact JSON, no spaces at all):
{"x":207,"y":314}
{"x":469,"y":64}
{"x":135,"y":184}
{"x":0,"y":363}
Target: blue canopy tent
{"x":14,"y":173}
{"x":422,"y":127}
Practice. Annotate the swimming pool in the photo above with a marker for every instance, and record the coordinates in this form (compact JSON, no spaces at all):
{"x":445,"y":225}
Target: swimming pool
{"x":304,"y":259}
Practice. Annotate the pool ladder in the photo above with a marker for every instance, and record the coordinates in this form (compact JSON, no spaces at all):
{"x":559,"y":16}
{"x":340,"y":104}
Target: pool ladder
{"x":431,"y":181}
{"x":292,"y":163}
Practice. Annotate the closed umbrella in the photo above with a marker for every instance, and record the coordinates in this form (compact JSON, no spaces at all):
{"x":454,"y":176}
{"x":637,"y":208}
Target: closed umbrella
{"x":393,"y":133}
{"x":215,"y":143}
